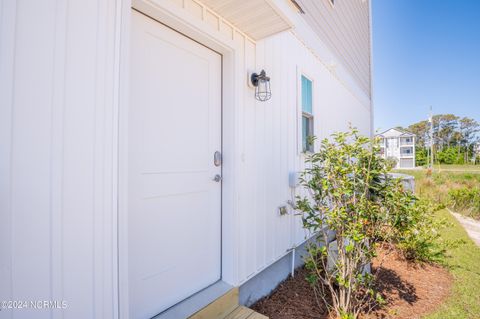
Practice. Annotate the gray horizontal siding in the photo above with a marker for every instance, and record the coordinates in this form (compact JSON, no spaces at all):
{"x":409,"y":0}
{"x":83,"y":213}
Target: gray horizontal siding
{"x":345,"y":29}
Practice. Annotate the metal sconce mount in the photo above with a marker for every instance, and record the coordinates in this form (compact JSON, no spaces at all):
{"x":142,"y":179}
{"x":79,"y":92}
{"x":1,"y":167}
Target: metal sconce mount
{"x":261,"y":82}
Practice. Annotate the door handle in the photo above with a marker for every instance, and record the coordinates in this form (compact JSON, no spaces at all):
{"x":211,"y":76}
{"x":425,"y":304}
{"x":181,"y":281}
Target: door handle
{"x":217,"y":178}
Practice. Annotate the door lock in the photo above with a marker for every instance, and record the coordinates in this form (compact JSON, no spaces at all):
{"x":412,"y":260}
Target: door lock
{"x":217,"y":158}
{"x":217,"y":178}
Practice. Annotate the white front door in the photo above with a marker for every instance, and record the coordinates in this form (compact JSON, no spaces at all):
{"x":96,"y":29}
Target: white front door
{"x":174,"y":203}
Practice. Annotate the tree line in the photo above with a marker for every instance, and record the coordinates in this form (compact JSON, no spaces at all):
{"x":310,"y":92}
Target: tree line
{"x":455,"y":139}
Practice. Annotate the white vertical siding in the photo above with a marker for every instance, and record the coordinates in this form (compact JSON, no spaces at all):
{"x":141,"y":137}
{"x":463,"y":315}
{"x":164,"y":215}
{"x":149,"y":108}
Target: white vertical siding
{"x":269,"y":133}
{"x":30,"y":170}
{"x":57,"y":72}
{"x":7,"y":53}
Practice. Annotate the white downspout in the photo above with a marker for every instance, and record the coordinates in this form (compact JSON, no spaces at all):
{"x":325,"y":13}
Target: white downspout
{"x":293,"y":183}
{"x":293,"y":262}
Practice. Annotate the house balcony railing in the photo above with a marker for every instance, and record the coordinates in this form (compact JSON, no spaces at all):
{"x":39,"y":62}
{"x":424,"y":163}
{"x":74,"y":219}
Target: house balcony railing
{"x":406,"y":154}
{"x":406,"y":143}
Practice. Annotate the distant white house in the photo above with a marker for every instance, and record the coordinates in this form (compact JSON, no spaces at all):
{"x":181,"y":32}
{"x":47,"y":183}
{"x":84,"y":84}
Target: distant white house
{"x":400,"y":145}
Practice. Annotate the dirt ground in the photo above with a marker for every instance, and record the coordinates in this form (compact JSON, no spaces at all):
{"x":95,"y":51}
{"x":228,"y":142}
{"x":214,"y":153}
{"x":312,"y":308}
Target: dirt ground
{"x":409,"y":290}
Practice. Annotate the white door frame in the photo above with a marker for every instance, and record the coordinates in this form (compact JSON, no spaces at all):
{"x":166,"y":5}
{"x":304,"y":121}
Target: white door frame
{"x":176,"y":18}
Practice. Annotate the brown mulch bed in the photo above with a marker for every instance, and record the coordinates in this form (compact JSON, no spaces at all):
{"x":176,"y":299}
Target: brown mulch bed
{"x":410,"y":291}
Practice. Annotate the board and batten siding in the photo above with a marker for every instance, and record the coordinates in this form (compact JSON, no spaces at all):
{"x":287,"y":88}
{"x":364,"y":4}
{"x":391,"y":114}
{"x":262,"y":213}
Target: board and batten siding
{"x":270,"y":145}
{"x":345,"y":28}
{"x":57,"y":205}
{"x":59,"y":73}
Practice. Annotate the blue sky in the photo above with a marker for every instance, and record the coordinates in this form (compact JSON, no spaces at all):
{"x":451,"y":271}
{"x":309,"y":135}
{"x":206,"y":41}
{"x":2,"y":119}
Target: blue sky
{"x":425,"y":52}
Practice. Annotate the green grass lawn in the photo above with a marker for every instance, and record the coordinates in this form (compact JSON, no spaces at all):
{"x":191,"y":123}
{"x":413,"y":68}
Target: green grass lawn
{"x":464,"y":168}
{"x":464,"y":264}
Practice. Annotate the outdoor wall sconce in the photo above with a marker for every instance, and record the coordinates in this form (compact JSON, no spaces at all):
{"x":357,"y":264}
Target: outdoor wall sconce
{"x":261,"y":82}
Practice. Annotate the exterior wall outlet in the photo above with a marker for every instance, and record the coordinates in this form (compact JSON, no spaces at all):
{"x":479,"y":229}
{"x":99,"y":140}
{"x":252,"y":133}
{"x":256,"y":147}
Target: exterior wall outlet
{"x":294,"y":179}
{"x":283,"y":210}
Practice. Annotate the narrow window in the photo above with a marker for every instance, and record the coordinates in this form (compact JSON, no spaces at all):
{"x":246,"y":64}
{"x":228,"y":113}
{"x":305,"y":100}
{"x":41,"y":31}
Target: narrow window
{"x":307,"y":115}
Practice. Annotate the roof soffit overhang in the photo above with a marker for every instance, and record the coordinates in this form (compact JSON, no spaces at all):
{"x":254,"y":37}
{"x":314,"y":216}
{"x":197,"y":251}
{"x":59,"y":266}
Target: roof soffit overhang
{"x":258,"y":19}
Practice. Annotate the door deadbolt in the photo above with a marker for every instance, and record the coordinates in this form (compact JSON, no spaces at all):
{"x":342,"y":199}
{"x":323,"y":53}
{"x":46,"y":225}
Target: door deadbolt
{"x":217,"y":158}
{"x":217,"y":178}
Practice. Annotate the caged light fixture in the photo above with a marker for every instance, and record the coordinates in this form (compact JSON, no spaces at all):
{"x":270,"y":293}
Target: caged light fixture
{"x":261,"y":82}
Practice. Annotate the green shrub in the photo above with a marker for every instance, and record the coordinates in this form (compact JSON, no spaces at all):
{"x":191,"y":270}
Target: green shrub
{"x":391,"y":162}
{"x":412,"y":225}
{"x":350,"y":193}
{"x":418,"y":238}
{"x":421,"y":156}
{"x":450,"y":155}
{"x":465,"y":200}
